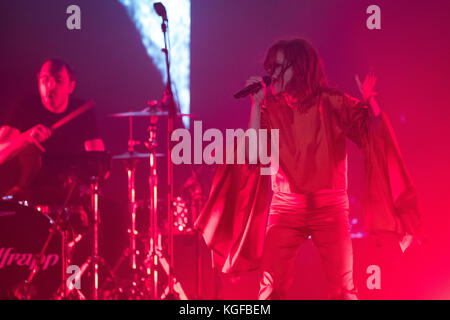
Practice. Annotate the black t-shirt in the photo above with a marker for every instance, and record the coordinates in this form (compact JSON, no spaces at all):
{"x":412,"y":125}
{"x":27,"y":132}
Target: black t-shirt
{"x":66,"y":140}
{"x":69,"y":138}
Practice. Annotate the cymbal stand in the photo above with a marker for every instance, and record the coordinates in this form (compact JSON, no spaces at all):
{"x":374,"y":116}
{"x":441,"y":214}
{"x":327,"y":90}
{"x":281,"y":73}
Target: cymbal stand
{"x":66,"y":257}
{"x":165,"y":265}
{"x":153,"y":221}
{"x":155,"y":256}
{"x":96,"y":257}
{"x":131,"y":174}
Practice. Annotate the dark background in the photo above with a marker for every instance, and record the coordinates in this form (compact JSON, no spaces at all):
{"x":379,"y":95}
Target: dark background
{"x":409,"y":55}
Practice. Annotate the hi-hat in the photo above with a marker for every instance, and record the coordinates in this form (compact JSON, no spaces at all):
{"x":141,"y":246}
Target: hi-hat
{"x":135,"y":155}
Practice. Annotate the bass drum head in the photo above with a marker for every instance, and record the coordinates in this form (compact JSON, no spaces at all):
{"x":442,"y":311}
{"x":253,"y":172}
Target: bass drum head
{"x":23,"y":232}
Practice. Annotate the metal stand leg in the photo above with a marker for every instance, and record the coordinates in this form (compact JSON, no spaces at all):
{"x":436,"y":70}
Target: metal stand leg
{"x":153,"y":179}
{"x":95,"y":256}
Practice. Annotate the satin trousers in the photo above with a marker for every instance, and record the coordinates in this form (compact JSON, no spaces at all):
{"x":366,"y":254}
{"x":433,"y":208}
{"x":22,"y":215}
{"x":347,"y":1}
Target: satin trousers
{"x":323,"y":215}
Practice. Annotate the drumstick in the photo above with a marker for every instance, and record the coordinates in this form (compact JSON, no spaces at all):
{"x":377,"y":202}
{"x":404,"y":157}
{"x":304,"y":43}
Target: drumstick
{"x":85,"y":107}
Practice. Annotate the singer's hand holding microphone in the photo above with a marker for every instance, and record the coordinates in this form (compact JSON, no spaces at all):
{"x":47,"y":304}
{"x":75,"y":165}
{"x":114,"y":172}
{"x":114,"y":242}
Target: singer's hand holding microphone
{"x":255,"y":86}
{"x":257,"y":96}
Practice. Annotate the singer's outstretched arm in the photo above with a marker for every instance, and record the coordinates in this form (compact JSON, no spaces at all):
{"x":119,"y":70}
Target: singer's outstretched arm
{"x":368,"y":94}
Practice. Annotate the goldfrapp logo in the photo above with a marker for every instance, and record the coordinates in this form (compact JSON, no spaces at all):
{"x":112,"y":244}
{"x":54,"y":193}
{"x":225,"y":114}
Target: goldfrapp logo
{"x":9,"y":258}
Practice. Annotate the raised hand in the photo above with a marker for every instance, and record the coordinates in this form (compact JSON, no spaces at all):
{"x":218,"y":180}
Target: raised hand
{"x":366,"y":88}
{"x":367,"y":92}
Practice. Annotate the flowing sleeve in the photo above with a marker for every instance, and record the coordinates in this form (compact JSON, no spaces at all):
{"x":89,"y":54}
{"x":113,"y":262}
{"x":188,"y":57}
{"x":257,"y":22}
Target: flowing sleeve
{"x":354,"y":116}
{"x":233,"y":220}
{"x":390,"y":200}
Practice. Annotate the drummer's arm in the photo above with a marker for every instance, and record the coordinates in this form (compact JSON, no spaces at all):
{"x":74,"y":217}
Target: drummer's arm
{"x":94,"y":145}
{"x":11,"y":143}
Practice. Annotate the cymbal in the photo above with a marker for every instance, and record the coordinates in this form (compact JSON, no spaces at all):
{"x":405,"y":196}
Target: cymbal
{"x":147,"y":113}
{"x":135,"y":155}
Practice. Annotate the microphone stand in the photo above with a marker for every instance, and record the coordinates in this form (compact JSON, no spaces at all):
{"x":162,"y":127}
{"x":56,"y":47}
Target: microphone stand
{"x":169,"y":102}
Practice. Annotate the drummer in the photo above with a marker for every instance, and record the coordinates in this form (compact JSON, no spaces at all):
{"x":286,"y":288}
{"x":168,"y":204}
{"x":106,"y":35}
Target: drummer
{"x":25,"y":133}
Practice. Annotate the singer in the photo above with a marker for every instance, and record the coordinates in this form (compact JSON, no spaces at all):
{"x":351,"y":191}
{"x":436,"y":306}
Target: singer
{"x":310,"y":187}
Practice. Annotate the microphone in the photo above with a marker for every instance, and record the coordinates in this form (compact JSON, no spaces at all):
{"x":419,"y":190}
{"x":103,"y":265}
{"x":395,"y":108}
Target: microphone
{"x":160,"y":10}
{"x":253,"y":88}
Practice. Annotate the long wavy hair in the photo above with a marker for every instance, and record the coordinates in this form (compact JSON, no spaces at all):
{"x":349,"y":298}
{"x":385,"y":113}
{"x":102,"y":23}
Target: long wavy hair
{"x":308,"y":71}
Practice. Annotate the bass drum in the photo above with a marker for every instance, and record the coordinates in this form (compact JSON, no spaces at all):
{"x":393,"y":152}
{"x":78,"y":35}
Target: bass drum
{"x":23,"y":232}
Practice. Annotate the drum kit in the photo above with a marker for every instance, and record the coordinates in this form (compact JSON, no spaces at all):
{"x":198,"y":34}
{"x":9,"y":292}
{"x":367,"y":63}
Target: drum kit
{"x":36,"y":261}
